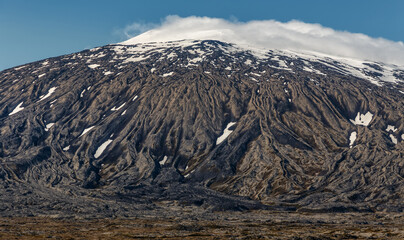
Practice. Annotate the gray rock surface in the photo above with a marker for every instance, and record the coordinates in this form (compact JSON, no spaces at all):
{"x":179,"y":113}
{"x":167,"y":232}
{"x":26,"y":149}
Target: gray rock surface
{"x":118,"y":130}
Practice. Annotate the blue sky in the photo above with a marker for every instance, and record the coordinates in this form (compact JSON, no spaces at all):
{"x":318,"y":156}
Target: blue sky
{"x":33,"y":30}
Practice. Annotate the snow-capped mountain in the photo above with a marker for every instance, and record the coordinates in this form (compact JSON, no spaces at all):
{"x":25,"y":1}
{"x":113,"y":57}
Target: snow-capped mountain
{"x":206,"y":123}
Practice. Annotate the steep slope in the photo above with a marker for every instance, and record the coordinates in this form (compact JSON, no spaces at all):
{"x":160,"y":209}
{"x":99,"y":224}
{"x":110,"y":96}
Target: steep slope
{"x":203,"y":123}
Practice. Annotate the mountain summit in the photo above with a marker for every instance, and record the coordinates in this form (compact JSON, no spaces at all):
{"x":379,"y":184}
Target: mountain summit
{"x":206,"y":124}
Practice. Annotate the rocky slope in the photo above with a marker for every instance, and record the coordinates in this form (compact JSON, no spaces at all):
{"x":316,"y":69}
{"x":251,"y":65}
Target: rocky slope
{"x":125,"y":128}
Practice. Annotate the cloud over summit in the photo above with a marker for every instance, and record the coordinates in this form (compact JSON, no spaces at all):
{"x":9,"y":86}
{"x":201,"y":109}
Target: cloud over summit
{"x":271,"y":34}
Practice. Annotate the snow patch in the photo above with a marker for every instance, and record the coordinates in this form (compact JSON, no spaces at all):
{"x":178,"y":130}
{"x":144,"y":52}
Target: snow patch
{"x":41,"y":75}
{"x":363,"y":119}
{"x":248,"y":62}
{"x":19,"y":68}
{"x":352,"y":139}
{"x":162,"y":162}
{"x":116,"y":109}
{"x":225,"y":134}
{"x":255,"y":80}
{"x":17,"y":109}
{"x":51,"y":90}
{"x":108,"y":73}
{"x":48,"y":126}
{"x":101,"y":148}
{"x":393,"y":138}
{"x":167,"y":74}
{"x":135,"y":59}
{"x":86,"y":130}
{"x":124,"y":112}
{"x":66,"y":148}
{"x":391,"y":128}
{"x":93,"y":66}
{"x":134,"y":98}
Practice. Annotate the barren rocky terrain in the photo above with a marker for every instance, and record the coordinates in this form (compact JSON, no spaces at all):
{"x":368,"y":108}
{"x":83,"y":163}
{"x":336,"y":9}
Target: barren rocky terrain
{"x":220,"y":225}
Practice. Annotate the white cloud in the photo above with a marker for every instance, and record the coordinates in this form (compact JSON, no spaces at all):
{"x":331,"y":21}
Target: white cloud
{"x":271,"y":34}
{"x":137,"y":28}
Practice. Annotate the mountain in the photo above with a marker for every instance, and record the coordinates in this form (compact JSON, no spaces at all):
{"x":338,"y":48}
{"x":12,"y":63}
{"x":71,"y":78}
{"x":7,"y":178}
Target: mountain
{"x":204,"y":125}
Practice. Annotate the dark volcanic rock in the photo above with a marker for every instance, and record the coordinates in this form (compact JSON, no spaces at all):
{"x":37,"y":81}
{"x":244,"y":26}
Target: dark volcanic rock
{"x":118,"y":129}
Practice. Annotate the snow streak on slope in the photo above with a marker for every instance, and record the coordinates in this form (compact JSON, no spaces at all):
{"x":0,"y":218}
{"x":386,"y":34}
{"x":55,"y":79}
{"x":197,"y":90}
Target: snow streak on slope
{"x":226,"y":133}
{"x":17,"y":109}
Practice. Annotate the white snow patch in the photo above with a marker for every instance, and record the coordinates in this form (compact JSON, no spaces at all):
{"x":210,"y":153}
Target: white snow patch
{"x":124,"y":112}
{"x":352,"y":139}
{"x":167,"y":74}
{"x":48,"y":126}
{"x":17,"y":109}
{"x":51,"y":90}
{"x":401,"y":91}
{"x":66,"y":148}
{"x":225,"y":134}
{"x":187,"y":175}
{"x":162,"y":162}
{"x":402,"y":137}
{"x":196,"y":60}
{"x":152,"y":70}
{"x":135,"y":59}
{"x":19,"y":68}
{"x":108,"y":73}
{"x":101,"y":148}
{"x":41,"y":75}
{"x":393,"y":138}
{"x":248,"y":62}
{"x":171,"y":55}
{"x":313,"y":70}
{"x":86,"y":130}
{"x":134,"y":98}
{"x":94,"y":66}
{"x":116,"y":109}
{"x":363,"y":119}
{"x":391,"y":128}
{"x":45,"y":63}
{"x":228,"y":68}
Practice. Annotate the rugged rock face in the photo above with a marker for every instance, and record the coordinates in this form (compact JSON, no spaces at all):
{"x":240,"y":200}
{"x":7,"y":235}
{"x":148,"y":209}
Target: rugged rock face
{"x":202,"y":123}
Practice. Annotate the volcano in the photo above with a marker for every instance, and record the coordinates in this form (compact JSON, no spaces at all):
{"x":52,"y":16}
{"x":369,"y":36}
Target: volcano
{"x":202,"y":124}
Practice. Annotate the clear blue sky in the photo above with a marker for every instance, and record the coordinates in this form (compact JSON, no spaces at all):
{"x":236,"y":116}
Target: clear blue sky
{"x":31,"y":30}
